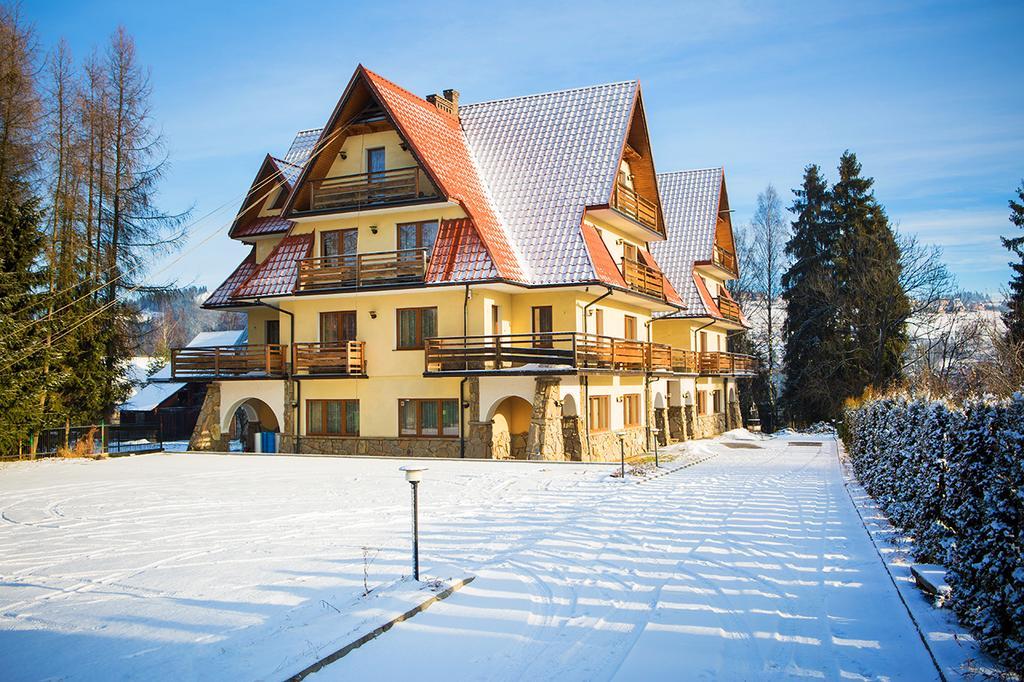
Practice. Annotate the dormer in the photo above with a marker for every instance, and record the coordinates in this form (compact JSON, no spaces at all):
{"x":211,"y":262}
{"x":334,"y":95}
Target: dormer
{"x":634,"y":205}
{"x":362,"y":162}
{"x":723,"y":264}
{"x":259,"y":219}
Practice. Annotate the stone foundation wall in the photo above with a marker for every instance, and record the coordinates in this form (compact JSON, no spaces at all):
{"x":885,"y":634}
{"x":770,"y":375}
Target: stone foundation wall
{"x":710,"y":425}
{"x":381,"y":447}
{"x":206,"y":434}
{"x":604,"y":446}
{"x":676,"y":424}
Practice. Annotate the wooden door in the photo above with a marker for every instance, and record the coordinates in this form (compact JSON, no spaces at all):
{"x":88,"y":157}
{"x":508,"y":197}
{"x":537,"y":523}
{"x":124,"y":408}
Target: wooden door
{"x":542,"y":324}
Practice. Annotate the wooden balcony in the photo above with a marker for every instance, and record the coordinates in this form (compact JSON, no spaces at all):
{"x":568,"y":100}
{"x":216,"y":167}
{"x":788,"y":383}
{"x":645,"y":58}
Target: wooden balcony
{"x":347,"y":358}
{"x":228,"y":362}
{"x":685,"y":361}
{"x":359,"y":190}
{"x":643,"y":278}
{"x":730,"y":309}
{"x":629,"y":203}
{"x":724,"y":259}
{"x":727,"y":364}
{"x":362,"y":270}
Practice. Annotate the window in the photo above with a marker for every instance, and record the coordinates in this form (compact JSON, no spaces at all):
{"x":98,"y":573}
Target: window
{"x":599,"y":413}
{"x":702,"y":402}
{"x":599,"y":321}
{"x":542,"y":325}
{"x":332,"y":417}
{"x":716,"y":399}
{"x":375,"y":163}
{"x":631,"y":409}
{"x":338,"y":326}
{"x":630,"y":323}
{"x":420,"y":235}
{"x":430,"y":417}
{"x":702,"y":342}
{"x":495,"y":320}
{"x":272,"y":331}
{"x":629,"y":252}
{"x":339,"y":242}
{"x":415,"y":325}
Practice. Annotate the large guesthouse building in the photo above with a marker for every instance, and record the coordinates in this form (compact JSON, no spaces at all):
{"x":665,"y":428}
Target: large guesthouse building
{"x":508,"y":279}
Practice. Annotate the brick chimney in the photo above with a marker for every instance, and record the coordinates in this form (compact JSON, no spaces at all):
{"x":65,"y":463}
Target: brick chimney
{"x":447,"y":102}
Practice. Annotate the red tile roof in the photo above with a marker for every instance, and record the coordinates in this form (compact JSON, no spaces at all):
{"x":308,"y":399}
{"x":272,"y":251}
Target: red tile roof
{"x":459,"y":255}
{"x":604,"y":265}
{"x":261,"y":226}
{"x":705,"y":297}
{"x":438,"y":140}
{"x":221,"y":296}
{"x":276,"y":275}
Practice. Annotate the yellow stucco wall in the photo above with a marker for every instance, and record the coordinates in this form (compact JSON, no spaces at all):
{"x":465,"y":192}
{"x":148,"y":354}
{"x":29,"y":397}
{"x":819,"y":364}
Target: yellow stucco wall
{"x":355,"y":150}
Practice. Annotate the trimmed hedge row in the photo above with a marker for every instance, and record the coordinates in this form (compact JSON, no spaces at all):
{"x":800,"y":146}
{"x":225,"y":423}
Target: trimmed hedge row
{"x":953,"y":477}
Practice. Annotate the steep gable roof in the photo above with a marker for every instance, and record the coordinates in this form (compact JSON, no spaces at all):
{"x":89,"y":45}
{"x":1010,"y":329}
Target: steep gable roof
{"x":277,"y":273}
{"x":273,"y":172}
{"x":689,"y":200}
{"x":221,"y":296}
{"x":545,"y":158}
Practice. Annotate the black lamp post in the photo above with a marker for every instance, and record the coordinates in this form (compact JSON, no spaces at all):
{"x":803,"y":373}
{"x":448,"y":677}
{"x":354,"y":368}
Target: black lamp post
{"x":622,"y":453}
{"x":414,"y":474}
{"x":655,"y":430}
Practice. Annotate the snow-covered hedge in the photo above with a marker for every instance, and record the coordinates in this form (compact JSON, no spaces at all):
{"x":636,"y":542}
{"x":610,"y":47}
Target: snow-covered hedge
{"x":953,"y":477}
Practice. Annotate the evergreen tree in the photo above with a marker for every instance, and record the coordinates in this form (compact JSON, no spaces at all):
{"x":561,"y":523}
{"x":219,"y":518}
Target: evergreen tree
{"x":1014,"y":316}
{"x":808,"y":288}
{"x":22,"y":378}
{"x":872,"y":306}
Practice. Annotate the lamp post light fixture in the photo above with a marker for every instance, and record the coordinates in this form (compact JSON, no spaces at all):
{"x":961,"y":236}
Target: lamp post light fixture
{"x":414,"y":474}
{"x":655,"y":430}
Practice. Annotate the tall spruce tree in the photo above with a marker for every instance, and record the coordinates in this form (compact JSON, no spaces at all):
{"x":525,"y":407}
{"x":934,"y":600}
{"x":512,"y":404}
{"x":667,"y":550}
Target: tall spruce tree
{"x":872,"y":306}
{"x":1014,"y":316}
{"x":22,"y":378}
{"x":808,"y":288}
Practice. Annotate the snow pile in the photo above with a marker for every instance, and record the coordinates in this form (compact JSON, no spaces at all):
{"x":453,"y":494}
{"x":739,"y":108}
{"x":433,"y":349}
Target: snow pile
{"x":823,"y":428}
{"x":741,"y":434}
{"x":953,"y":477}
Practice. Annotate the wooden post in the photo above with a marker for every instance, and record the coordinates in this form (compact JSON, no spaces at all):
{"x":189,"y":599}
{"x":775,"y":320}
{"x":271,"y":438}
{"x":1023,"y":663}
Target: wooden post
{"x":216,"y":361}
{"x":266,"y":358}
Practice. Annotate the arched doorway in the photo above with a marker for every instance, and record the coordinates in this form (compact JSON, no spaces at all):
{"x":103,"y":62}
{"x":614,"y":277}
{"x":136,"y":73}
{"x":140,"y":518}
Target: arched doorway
{"x":245,"y":419}
{"x":510,"y":420}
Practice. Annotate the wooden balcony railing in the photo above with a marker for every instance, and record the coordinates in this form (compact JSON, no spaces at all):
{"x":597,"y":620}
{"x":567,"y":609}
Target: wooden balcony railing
{"x":217,"y":362}
{"x":643,"y":278}
{"x":730,"y":364}
{"x":537,"y":353}
{"x":368,"y":189}
{"x":338,"y":357}
{"x":730,"y":309}
{"x":724,"y":259}
{"x":363,"y":269}
{"x":638,"y":208}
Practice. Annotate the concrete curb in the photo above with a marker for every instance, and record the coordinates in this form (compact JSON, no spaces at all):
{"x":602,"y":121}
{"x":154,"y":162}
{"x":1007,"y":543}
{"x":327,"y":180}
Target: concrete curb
{"x":393,"y":459}
{"x":380,"y":630}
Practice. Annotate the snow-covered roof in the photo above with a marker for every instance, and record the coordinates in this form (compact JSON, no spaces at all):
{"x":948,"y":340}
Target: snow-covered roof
{"x":689,"y":200}
{"x":231,"y":337}
{"x":545,"y":158}
{"x":151,"y":395}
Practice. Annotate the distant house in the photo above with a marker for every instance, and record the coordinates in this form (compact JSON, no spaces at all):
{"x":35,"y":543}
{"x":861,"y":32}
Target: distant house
{"x":173,"y":406}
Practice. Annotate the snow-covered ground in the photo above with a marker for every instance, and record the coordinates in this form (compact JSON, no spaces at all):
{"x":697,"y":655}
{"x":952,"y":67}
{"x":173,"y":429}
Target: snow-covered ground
{"x":750,"y":565}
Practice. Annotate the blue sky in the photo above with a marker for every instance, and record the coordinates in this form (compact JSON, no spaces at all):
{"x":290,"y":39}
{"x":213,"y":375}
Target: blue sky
{"x":927,"y":94}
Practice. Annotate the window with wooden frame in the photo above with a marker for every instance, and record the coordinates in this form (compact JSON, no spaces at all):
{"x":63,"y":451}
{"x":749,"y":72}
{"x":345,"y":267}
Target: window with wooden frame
{"x":495,"y":320}
{"x":716,"y":401}
{"x":702,"y":342}
{"x":542,"y":324}
{"x":598,"y":413}
{"x":631,"y":409}
{"x":332,"y":417}
{"x":415,"y":325}
{"x":375,"y":165}
{"x":428,"y":417}
{"x":599,"y":321}
{"x":421,"y":235}
{"x":338,"y":326}
{"x":339,"y":242}
{"x":629,"y":323}
{"x":629,"y":252}
{"x":702,"y":402}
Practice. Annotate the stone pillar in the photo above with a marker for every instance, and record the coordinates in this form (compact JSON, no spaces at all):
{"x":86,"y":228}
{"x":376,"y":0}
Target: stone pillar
{"x":544,"y":440}
{"x":572,"y":438}
{"x":676,"y":423}
{"x":733,"y":416}
{"x":478,"y":433}
{"x":206,"y":434}
{"x":660,"y":423}
{"x":690,"y":420}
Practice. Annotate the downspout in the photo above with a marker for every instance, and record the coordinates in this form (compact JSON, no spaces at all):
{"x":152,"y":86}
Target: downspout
{"x":595,"y":301}
{"x":290,"y":376}
{"x":462,"y":384}
{"x":648,"y":411}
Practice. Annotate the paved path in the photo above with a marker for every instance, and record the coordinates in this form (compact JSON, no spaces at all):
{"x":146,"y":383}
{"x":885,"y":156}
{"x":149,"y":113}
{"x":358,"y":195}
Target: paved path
{"x":751,"y":566}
